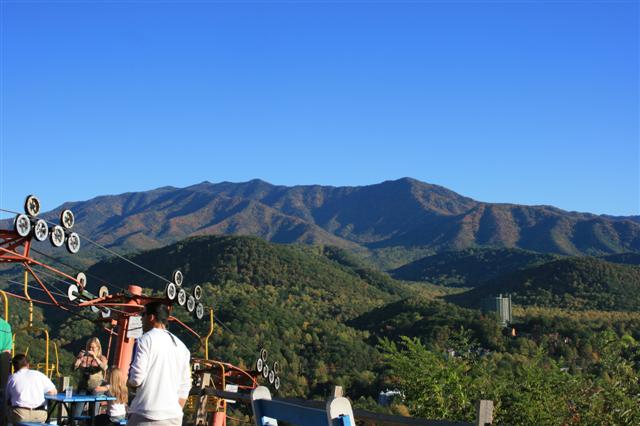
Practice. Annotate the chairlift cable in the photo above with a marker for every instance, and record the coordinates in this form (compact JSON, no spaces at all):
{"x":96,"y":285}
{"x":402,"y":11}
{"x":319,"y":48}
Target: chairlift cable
{"x":75,"y":269}
{"x":107,"y":250}
{"x":124,"y":258}
{"x":240,"y":341}
{"x":51,"y":274}
{"x":61,"y":294}
{"x":220,"y":322}
{"x":57,"y":279}
{"x":66,"y":307}
{"x":27,"y":299}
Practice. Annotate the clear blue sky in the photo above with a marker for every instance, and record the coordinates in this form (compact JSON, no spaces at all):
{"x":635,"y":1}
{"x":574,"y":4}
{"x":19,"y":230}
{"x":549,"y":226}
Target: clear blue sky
{"x":523,"y":102}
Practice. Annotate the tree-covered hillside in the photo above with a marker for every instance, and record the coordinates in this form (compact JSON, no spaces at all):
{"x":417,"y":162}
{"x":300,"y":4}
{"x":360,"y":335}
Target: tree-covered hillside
{"x":571,"y":283}
{"x":470,"y":267}
{"x":292,"y":300}
{"x":625,"y":258}
{"x":342,"y":291}
{"x":329,"y":319}
{"x":432,"y":321}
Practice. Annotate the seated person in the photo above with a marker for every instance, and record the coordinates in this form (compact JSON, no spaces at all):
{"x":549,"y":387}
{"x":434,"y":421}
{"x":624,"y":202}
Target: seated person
{"x":116,"y":387}
{"x":25,"y":392}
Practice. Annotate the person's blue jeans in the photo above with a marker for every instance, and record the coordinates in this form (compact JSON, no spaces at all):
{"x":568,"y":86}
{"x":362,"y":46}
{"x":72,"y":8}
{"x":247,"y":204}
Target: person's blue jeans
{"x":78,"y":408}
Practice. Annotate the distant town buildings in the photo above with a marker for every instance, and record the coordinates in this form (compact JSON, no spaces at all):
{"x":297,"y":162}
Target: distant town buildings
{"x":501,"y":306}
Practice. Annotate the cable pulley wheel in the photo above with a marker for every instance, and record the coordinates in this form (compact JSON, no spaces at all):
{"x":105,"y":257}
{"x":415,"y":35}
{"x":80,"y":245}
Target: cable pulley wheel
{"x":73,"y":243}
{"x":276,"y":383}
{"x":272,"y":376}
{"x":199,"y":310}
{"x":197,"y":292}
{"x":263,"y":354}
{"x":177,"y":277}
{"x":265,"y":371}
{"x":67,"y":219}
{"x":171,"y":291}
{"x":259,"y":365}
{"x":32,"y":205}
{"x":182,"y":297}
{"x":103,"y":291}
{"x":191,"y":303}
{"x":72,"y":292}
{"x":41,"y":230}
{"x":276,"y":367}
{"x":81,"y":278}
{"x":56,"y":235}
{"x":22,"y":225}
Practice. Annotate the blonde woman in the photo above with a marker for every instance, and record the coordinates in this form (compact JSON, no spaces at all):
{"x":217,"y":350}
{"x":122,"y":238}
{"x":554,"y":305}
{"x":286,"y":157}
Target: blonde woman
{"x":92,"y":365}
{"x":116,"y":387}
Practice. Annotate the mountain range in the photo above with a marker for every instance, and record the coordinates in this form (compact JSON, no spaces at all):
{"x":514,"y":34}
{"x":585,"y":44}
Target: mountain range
{"x":320,"y":312}
{"x":414,"y":217}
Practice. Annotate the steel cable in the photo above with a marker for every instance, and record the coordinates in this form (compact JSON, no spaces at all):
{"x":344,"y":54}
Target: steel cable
{"x":217,"y":320}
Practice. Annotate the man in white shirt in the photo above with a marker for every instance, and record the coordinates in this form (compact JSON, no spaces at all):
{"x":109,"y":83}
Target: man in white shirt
{"x":25,"y":392}
{"x":160,"y":372}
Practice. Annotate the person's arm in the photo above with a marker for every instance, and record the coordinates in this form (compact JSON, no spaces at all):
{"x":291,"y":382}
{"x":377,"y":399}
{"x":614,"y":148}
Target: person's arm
{"x":101,"y":361}
{"x":102,"y":388}
{"x":5,"y":338}
{"x":140,"y":366}
{"x":185,"y":384}
{"x":76,"y":364}
{"x":7,"y":391}
{"x":49,"y":387}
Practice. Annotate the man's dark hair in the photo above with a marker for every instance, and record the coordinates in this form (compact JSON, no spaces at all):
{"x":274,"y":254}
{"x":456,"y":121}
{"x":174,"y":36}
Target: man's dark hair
{"x":160,"y":310}
{"x":19,"y":361}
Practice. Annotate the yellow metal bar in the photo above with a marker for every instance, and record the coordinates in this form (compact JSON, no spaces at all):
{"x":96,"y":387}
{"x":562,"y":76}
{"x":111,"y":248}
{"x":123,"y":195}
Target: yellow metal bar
{"x":222,"y":403}
{"x":206,"y":339}
{"x":47,"y":368}
{"x":46,"y":354}
{"x":224,"y":388}
{"x":6,"y":305}
{"x":55,"y":347}
{"x":5,"y":300}
{"x":26,"y":293}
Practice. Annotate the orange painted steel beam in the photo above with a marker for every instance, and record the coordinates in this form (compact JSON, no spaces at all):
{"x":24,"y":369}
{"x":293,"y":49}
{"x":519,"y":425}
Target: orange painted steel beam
{"x":11,"y":241}
{"x":185,"y":326}
{"x":31,"y":261}
{"x":124,"y":345}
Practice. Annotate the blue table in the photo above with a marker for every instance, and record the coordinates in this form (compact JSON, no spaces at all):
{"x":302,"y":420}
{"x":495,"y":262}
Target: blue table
{"x":60,"y":400}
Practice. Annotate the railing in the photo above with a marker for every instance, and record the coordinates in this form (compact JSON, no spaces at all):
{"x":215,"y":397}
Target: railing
{"x":268,"y":411}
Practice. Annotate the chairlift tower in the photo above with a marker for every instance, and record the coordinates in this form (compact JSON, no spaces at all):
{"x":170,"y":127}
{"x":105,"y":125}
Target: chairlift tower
{"x":120,"y":312}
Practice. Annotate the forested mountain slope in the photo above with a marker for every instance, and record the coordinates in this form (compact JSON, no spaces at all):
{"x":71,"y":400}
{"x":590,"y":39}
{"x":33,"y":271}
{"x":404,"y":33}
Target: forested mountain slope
{"x":292,"y":299}
{"x":571,"y":283}
{"x":470,"y":267}
{"x":320,"y":312}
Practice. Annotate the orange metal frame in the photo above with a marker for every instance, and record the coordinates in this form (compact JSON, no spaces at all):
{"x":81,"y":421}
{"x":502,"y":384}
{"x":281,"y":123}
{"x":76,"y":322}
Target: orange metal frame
{"x":128,"y":303}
